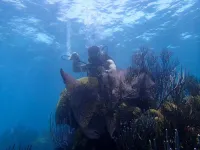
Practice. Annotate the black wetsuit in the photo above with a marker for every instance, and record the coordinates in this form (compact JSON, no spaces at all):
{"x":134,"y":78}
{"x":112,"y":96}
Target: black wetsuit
{"x":93,"y":69}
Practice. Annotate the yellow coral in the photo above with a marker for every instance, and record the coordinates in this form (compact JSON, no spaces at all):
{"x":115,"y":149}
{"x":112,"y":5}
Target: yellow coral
{"x":122,"y":105}
{"x":63,"y":96}
{"x":169,"y":107}
{"x":90,"y":81}
{"x":159,"y":120}
{"x":63,"y":107}
{"x":157,"y":113}
{"x":136,"y":111}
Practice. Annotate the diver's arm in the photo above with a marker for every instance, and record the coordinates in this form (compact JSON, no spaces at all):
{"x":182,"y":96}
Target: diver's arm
{"x":76,"y":64}
{"x":78,"y":67}
{"x":111,"y":66}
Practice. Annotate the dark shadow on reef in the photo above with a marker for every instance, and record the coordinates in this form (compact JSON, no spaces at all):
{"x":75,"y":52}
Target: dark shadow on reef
{"x":153,"y":104}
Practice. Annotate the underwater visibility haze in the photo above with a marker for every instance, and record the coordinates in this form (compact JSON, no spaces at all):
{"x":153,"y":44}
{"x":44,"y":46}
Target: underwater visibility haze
{"x":35,"y":36}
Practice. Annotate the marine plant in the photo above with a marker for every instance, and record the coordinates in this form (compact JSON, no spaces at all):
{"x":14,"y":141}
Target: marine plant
{"x":14,"y":147}
{"x":22,"y":138}
{"x":18,"y":136}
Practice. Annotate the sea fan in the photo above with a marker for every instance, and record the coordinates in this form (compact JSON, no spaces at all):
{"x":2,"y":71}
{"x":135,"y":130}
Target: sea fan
{"x":164,"y":69}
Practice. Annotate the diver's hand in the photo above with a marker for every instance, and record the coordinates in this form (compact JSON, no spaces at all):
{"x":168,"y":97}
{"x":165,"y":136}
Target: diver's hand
{"x":111,"y":65}
{"x":74,"y":57}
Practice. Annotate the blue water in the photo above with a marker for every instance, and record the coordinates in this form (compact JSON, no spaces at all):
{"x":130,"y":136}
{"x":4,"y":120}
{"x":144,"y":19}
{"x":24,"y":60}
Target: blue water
{"x":35,"y":33}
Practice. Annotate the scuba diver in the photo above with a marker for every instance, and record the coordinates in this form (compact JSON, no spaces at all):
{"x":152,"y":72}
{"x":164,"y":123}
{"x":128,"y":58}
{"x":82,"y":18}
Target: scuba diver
{"x":98,"y":62}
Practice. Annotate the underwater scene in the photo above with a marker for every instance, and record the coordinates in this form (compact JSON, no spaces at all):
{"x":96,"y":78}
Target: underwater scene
{"x":99,"y":75}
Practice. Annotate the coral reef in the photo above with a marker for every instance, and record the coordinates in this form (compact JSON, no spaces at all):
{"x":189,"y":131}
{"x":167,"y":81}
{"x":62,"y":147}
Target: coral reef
{"x":153,"y":104}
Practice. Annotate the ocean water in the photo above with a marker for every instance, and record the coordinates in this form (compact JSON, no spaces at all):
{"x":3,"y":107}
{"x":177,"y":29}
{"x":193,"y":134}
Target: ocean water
{"x":34,"y":34}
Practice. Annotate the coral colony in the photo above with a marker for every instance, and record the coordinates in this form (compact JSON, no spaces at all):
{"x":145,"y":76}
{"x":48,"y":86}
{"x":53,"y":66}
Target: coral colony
{"x":152,"y":105}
